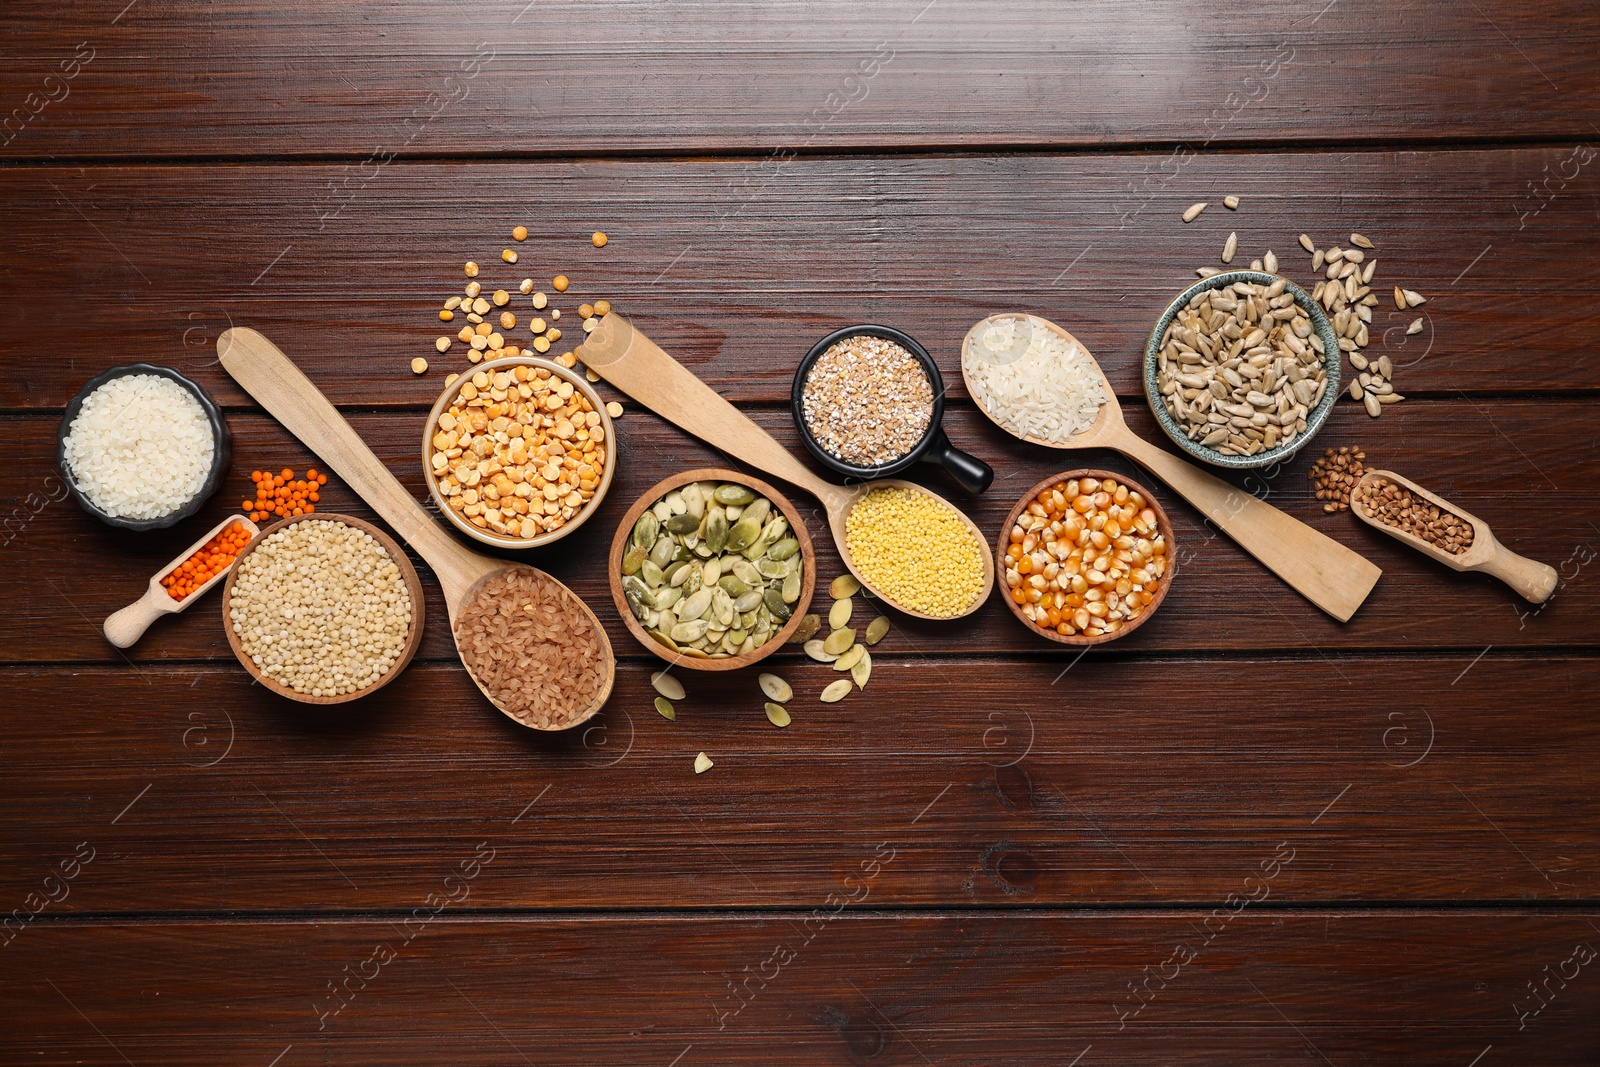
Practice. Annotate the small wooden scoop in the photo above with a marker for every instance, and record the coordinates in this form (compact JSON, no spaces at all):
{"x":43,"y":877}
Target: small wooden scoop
{"x":288,"y":395}
{"x":1322,"y":570}
{"x":124,"y":627}
{"x":637,"y":365}
{"x":1533,"y":580}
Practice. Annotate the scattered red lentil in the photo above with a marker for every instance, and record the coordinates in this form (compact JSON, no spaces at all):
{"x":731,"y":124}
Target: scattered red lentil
{"x":284,"y":496}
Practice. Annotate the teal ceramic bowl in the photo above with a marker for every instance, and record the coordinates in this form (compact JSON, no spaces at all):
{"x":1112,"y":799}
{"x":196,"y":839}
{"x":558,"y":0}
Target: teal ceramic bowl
{"x":1314,"y":418}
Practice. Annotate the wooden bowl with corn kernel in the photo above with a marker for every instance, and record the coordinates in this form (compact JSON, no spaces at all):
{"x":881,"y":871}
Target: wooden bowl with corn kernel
{"x":518,"y":452}
{"x":1085,"y":557}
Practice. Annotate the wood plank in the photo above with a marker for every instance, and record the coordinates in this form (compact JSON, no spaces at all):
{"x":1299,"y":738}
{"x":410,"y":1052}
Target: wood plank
{"x":248,"y":78}
{"x":738,"y":273}
{"x":1268,"y":987}
{"x":67,"y":571}
{"x":1449,"y":779}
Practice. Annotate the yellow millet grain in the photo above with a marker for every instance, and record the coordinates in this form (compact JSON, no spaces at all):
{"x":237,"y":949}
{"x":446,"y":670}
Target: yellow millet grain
{"x":917,"y":550}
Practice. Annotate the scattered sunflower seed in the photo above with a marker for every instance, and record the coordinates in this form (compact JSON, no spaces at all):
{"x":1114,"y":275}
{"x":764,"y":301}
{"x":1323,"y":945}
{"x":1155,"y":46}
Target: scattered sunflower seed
{"x":702,"y":763}
{"x":876,"y":629}
{"x":836,"y":691}
{"x":776,"y":688}
{"x":667,"y":685}
{"x":1360,"y":241}
{"x":1231,"y":203}
{"x":1399,"y":298}
{"x":1414,"y":298}
{"x":839,"y":614}
{"x":1415,"y":327}
{"x":1307,"y":243}
{"x":813,"y":648}
{"x":1192,"y":212}
{"x":778,"y":715}
{"x":844,"y":586}
{"x":1206,"y":272}
{"x":1229,"y":247}
{"x":1270,"y":262}
{"x":668,"y":712}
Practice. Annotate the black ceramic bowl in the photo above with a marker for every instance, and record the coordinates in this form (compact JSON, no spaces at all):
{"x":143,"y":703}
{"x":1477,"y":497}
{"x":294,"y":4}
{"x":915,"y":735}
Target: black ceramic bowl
{"x":970,"y":472}
{"x":219,"y":452}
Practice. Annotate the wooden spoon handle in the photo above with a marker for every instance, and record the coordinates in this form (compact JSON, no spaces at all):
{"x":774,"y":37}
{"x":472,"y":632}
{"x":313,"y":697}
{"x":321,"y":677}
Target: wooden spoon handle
{"x":639,"y":367}
{"x":288,"y":395}
{"x":1322,"y":570}
{"x":1533,"y":580}
{"x":125,"y":626}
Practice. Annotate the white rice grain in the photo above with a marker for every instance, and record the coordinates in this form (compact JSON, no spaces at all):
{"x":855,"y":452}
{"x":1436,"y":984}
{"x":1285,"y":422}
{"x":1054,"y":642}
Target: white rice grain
{"x":140,"y":447}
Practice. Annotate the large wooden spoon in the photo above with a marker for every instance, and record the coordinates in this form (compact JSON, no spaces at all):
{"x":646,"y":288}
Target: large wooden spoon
{"x":1322,"y":570}
{"x":1535,"y":581}
{"x":635,"y":364}
{"x":288,"y":395}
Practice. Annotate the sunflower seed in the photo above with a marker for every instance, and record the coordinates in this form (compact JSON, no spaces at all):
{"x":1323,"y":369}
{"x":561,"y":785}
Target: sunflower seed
{"x":1399,"y":298}
{"x":1368,"y":271}
{"x":1358,"y":361}
{"x":667,"y":685}
{"x":1374,"y":408}
{"x":1206,"y":272}
{"x":778,"y":715}
{"x":1270,"y":262}
{"x":1307,"y":243}
{"x":1414,"y":298}
{"x":702,"y":763}
{"x":1318,"y":258}
{"x":1390,"y":398}
{"x":1256,"y":264}
{"x":862,"y":670}
{"x":837,"y":642}
{"x":813,"y":648}
{"x":839,"y":614}
{"x":1192,"y":212}
{"x":668,"y":712}
{"x":1229,"y":247}
{"x":836,"y":691}
{"x":876,"y":629}
{"x":850,"y":658}
{"x":1231,"y":203}
{"x":1360,"y":241}
{"x":1386,"y":366}
{"x":1355,"y":390}
{"x":1354,"y":255}
{"x":776,"y":688}
{"x":1415,"y":327}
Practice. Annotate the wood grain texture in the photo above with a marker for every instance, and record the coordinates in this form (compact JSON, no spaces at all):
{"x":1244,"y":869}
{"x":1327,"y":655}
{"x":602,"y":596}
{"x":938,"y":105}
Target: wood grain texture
{"x":248,"y":78}
{"x":737,"y":272}
{"x":1269,"y":987}
{"x":1446,"y":779}
{"x":68,"y":571}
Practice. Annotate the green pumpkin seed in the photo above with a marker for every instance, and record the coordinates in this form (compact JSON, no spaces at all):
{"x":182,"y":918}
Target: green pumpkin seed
{"x":702,"y":763}
{"x":843,"y":586}
{"x":837,"y":642}
{"x":746,"y":572}
{"x":691,"y":583}
{"x":710,"y":572}
{"x":771,"y":568}
{"x":738,"y":637}
{"x":672,"y":572}
{"x":731,"y":584}
{"x":661,"y":554}
{"x":651,"y":574}
{"x":694,"y":606}
{"x":683,"y":523}
{"x":668,"y":712}
{"x":646,"y":530}
{"x":661,"y":511}
{"x":809,"y":625}
{"x":716,"y":534}
{"x":839,"y":614}
{"x":743,"y":534}
{"x":687,"y":633}
{"x":675,"y":502}
{"x":633,"y":559}
{"x":778,"y":715}
{"x":748,"y":601}
{"x":667,"y":685}
{"x":694,"y":499}
{"x":665,"y":598}
{"x":849,"y":657}
{"x":666,"y":640}
{"x":876,"y":629}
{"x":862,"y":670}
{"x":776,"y":688}
{"x":836,"y":691}
{"x":722,"y":607}
{"x":759,"y":510}
{"x":814,"y":649}
{"x":791,"y":588}
{"x":783,"y":549}
{"x":738,"y":495}
{"x":773,"y":599}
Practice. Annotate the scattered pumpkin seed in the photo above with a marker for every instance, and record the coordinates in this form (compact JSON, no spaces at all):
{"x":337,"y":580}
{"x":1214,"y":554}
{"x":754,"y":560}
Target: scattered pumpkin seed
{"x":877,"y":628}
{"x":839,"y":641}
{"x":862,"y":670}
{"x":668,"y":712}
{"x":839,"y":614}
{"x":844,"y":586}
{"x":814,"y":649}
{"x":836,"y":691}
{"x":667,"y":685}
{"x":778,"y":715}
{"x":776,"y":688}
{"x":850,"y":657}
{"x":702,"y":763}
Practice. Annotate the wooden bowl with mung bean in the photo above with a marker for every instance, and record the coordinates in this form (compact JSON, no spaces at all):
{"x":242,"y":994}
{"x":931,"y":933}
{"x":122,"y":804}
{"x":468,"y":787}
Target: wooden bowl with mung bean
{"x":712,"y":570}
{"x":361,"y":621}
{"x":518,"y":452}
{"x":1085,"y":557}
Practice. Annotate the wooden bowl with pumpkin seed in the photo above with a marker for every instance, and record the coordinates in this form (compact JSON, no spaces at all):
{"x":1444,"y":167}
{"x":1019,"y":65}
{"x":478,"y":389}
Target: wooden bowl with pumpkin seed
{"x":712,"y":570}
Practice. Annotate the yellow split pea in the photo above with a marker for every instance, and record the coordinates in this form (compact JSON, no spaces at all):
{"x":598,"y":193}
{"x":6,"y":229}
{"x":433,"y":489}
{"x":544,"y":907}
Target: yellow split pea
{"x":917,"y":549}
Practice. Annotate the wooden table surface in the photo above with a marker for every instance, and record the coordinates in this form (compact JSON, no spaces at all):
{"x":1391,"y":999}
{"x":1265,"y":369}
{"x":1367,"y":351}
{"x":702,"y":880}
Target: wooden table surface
{"x":1246,"y":834}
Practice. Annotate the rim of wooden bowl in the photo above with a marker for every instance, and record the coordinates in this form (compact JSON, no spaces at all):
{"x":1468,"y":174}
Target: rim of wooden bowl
{"x":489,"y":537}
{"x":1162,"y":523}
{"x":413,"y":586}
{"x":619,"y":542}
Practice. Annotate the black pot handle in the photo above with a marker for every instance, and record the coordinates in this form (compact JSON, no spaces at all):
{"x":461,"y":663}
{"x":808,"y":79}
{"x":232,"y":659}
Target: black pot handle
{"x":970,"y":472}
